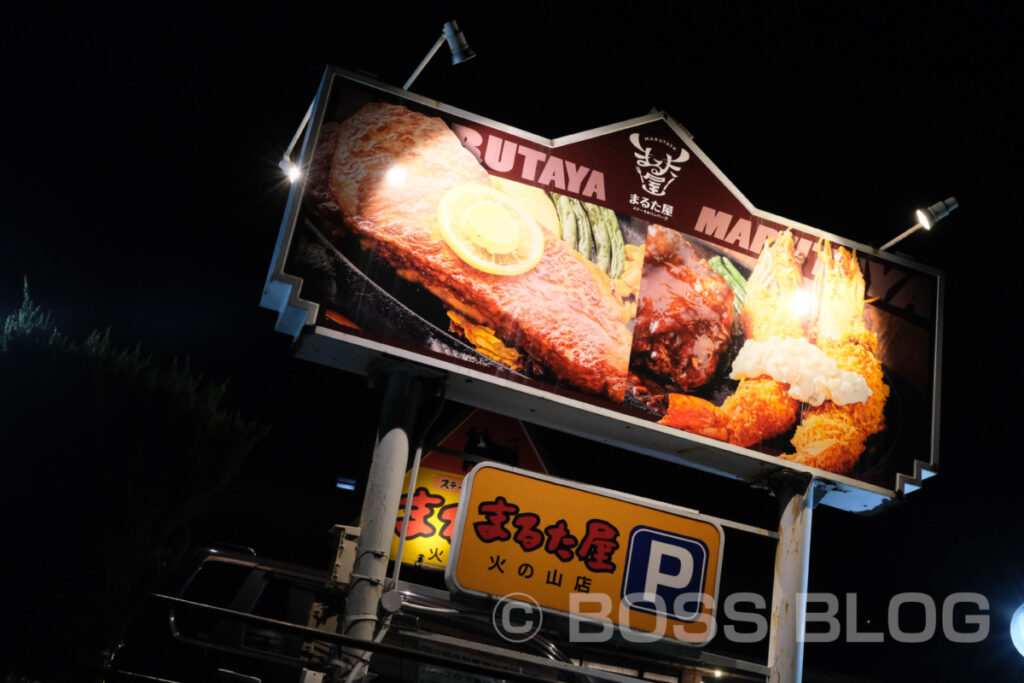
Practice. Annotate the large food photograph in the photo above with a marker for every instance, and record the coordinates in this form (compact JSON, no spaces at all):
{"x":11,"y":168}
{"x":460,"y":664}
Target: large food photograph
{"x":807,"y":363}
{"x":405,"y":237}
{"x":490,"y":251}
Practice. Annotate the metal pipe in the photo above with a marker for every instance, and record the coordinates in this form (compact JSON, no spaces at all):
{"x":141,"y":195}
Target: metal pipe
{"x":902,"y":235}
{"x":426,"y":60}
{"x":407,"y":513}
{"x":298,"y":132}
{"x":396,"y":569}
{"x":789,"y":589}
{"x":380,"y":509}
{"x":386,"y":648}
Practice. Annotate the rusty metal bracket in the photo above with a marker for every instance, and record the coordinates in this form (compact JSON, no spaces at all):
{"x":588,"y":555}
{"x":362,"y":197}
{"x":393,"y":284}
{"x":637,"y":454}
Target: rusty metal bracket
{"x":785,"y":484}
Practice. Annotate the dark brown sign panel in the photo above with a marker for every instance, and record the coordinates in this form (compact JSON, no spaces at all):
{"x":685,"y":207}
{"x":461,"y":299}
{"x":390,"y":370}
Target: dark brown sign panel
{"x":616,"y":274}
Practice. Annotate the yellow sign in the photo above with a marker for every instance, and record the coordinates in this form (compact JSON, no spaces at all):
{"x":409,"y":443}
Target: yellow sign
{"x":431,"y":518}
{"x":480,"y":434}
{"x":587,"y":552}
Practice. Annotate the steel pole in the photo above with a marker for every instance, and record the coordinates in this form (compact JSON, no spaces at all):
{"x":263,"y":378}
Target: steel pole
{"x":901,"y":236}
{"x":789,"y":590}
{"x":426,"y":60}
{"x":380,"y":509}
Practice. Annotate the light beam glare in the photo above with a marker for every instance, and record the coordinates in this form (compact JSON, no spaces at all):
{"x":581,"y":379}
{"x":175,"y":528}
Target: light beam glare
{"x":395,"y":176}
{"x":291,"y":169}
{"x":802,"y":304}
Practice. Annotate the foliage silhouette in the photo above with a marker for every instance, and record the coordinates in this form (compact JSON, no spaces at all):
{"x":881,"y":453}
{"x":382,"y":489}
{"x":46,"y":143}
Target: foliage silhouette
{"x":106,"y":456}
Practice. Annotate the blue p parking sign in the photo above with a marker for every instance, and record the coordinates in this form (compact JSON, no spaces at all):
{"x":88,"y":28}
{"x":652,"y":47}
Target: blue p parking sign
{"x":665,"y":573}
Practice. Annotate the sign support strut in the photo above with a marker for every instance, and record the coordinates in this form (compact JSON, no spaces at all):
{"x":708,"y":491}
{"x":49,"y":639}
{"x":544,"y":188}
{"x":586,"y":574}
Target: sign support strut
{"x":797,"y":499}
{"x":380,"y":508}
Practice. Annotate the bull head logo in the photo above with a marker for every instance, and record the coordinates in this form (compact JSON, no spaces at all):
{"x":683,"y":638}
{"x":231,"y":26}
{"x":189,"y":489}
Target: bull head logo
{"x":656,"y":173}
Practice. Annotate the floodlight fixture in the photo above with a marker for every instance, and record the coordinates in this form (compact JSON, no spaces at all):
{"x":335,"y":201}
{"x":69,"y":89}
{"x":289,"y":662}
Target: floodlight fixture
{"x":936,"y":212}
{"x":926,"y":218}
{"x":460,"y":49}
{"x":290,"y":168}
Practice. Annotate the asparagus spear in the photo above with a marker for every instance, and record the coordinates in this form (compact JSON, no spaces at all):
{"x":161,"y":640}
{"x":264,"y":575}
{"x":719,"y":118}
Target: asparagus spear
{"x":737,"y":283}
{"x":586,"y":241}
{"x":611,"y":248}
{"x":570,"y":231}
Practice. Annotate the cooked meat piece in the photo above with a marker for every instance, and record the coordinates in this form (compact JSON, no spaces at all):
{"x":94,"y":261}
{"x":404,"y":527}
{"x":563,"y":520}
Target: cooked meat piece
{"x":684,"y":318}
{"x":390,"y":169}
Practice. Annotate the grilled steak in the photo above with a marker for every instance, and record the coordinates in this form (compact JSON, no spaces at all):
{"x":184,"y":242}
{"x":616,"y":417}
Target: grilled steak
{"x":390,"y":169}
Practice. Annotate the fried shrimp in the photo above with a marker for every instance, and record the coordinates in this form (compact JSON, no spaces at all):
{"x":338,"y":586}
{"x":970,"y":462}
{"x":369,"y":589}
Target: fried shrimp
{"x":760,"y":408}
{"x":831,"y":436}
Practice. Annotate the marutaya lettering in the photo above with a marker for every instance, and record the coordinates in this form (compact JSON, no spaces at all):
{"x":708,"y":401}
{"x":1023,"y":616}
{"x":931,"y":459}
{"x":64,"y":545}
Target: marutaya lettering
{"x":508,"y":158}
{"x":888,"y":283}
{"x":739,"y":233}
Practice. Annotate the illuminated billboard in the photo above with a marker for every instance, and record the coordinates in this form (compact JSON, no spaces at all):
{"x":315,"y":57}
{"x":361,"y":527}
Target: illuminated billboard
{"x":612,"y":284}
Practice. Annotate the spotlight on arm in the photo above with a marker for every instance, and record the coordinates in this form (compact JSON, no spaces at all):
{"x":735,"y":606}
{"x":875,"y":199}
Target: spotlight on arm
{"x":926,"y":218}
{"x":936,"y":212}
{"x":290,"y":168}
{"x":460,"y":49}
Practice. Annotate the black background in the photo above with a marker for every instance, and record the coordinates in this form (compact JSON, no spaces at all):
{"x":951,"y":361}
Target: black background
{"x":141,"y":192}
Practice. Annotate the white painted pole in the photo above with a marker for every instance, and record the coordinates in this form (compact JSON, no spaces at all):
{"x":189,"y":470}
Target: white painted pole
{"x":380,"y":510}
{"x":789,"y":591}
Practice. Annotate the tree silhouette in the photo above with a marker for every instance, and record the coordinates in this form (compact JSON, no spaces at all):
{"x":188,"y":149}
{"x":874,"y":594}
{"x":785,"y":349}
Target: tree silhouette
{"x":106,"y":456}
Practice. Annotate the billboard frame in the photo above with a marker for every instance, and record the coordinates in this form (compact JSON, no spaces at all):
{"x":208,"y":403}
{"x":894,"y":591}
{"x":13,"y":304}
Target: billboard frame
{"x":297,"y":317}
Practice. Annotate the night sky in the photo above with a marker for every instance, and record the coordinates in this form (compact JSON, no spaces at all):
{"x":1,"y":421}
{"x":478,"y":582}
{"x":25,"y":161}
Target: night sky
{"x":142,"y":194}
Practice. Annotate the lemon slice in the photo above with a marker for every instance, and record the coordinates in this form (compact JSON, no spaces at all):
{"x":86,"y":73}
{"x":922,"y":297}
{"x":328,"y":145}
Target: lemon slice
{"x":535,"y":200}
{"x":492,"y":227}
{"x":489,"y":230}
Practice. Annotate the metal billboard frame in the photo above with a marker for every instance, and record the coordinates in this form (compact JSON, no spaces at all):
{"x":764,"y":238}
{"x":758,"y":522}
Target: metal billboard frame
{"x":297,"y":317}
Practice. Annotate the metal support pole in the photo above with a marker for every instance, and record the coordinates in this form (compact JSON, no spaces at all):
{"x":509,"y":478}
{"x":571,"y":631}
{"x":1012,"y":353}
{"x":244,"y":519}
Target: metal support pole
{"x":380,"y":509}
{"x":298,"y":132}
{"x":901,"y":236}
{"x":426,"y":60}
{"x":406,"y":515}
{"x":789,"y":590}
